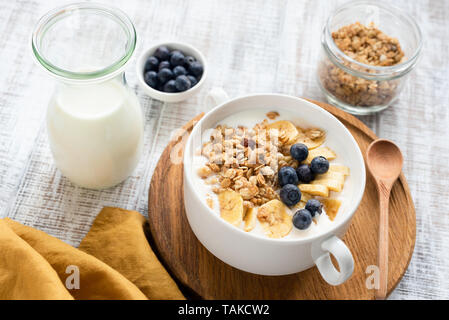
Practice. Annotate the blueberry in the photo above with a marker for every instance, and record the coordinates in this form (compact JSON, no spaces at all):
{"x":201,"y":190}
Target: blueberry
{"x":193,"y":80}
{"x":302,"y":219}
{"x":304,"y":173}
{"x":177,"y":58}
{"x":319,"y":165}
{"x":189,"y":61}
{"x":314,"y":206}
{"x":183,"y":83}
{"x":150,"y":78}
{"x":290,"y":194}
{"x":164,"y":75}
{"x":196,"y":69}
{"x":151,"y":63}
{"x":170,"y":86}
{"x":299,"y":152}
{"x":179,"y":71}
{"x":164,"y":64}
{"x":287,"y":175}
{"x":162,"y":53}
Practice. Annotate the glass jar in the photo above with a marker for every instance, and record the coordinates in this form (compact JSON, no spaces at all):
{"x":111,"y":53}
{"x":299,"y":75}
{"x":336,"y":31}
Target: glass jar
{"x":360,"y":88}
{"x":94,"y":120}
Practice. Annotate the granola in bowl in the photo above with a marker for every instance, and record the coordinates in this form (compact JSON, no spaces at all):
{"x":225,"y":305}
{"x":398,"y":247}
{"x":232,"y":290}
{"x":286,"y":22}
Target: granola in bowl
{"x":253,"y":174}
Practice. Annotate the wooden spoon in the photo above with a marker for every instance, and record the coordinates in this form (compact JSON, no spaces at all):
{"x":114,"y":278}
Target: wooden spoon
{"x":384,"y":160}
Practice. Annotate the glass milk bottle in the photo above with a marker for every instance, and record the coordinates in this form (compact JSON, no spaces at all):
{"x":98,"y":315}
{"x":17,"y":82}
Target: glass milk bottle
{"x":94,"y":120}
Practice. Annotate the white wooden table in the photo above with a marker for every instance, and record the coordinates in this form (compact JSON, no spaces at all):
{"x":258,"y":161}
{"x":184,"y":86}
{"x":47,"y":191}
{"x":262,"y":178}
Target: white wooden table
{"x":251,"y":46}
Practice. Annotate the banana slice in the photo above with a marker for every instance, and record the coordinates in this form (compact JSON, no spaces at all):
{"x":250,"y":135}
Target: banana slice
{"x":312,"y":138}
{"x":305,"y":197}
{"x":315,"y":133}
{"x":300,"y":205}
{"x":287,"y":131}
{"x":331,"y":207}
{"x":314,"y":189}
{"x":331,"y":184}
{"x":334,"y":181}
{"x":338,"y":176}
{"x":322,"y":151}
{"x":274,"y":219}
{"x":250,"y":219}
{"x":231,"y":207}
{"x":311,"y":144}
{"x":339,"y":168}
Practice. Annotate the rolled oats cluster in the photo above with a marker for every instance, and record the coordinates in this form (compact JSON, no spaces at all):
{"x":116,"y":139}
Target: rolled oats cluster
{"x":368,"y":45}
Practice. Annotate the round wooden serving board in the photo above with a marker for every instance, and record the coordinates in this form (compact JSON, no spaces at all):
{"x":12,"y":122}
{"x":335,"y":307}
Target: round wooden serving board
{"x":210,"y":278}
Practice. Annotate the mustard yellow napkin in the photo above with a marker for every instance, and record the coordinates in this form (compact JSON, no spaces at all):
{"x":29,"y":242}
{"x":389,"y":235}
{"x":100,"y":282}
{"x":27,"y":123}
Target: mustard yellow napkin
{"x":114,"y":261}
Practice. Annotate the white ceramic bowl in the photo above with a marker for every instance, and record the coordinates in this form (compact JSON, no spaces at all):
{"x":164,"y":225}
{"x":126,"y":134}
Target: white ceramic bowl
{"x":176,"y":96}
{"x":261,"y":255}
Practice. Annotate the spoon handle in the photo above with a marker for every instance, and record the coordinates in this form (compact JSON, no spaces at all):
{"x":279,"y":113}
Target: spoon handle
{"x":384,"y":197}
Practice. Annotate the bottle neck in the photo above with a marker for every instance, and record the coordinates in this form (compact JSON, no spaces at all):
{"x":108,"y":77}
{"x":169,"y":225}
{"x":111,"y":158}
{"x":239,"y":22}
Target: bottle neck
{"x":119,"y":78}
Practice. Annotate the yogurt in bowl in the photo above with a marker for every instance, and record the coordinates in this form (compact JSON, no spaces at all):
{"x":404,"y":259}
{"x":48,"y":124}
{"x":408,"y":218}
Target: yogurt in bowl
{"x":251,"y":173}
{"x":299,"y":250}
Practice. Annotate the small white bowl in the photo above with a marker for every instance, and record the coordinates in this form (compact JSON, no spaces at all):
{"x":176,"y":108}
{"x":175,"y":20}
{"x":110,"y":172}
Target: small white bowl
{"x":188,"y":50}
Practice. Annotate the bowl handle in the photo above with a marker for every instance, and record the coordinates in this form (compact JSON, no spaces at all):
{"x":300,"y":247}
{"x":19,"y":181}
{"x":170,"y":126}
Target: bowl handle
{"x":321,"y":257}
{"x":215,"y":97}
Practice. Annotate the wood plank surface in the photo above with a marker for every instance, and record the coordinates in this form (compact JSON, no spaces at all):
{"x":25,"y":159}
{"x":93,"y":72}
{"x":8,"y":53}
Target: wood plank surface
{"x":251,"y":46}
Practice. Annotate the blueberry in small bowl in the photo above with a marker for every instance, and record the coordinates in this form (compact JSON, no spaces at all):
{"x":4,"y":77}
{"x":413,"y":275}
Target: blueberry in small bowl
{"x":170,"y":86}
{"x":162,"y":53}
{"x":193,"y":80}
{"x":164,"y":64}
{"x":179,"y":71}
{"x":164,"y":75}
{"x":196,"y":69}
{"x":151,"y":64}
{"x":177,"y":58}
{"x":182,"y":83}
{"x":151,"y":79}
{"x":171,"y":72}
